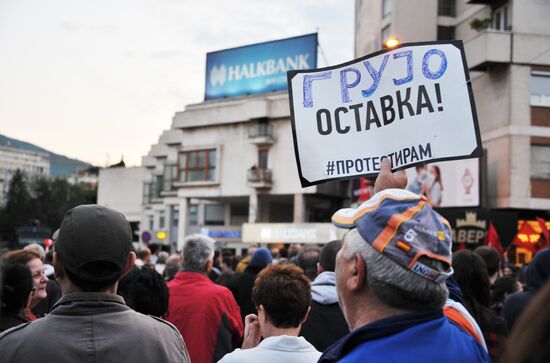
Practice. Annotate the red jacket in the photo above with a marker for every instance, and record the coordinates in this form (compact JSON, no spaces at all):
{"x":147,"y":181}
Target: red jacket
{"x":206,"y":315}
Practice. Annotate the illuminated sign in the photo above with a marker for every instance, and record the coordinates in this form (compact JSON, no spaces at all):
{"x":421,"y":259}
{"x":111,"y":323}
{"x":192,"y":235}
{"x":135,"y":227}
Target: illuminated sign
{"x":258,"y":68}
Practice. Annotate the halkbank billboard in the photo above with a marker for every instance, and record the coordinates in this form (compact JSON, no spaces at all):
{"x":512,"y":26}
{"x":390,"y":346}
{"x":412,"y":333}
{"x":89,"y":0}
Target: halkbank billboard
{"x":258,"y":68}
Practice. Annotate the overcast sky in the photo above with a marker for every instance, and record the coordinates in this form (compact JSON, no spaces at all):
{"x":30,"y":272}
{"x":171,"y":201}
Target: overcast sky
{"x":97,"y":79}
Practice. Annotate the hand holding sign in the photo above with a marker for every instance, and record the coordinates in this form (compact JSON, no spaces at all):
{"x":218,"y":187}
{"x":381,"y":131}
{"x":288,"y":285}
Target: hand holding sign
{"x":412,"y":104}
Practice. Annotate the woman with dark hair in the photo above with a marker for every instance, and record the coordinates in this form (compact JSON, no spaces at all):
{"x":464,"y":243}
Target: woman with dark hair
{"x":471,"y":275}
{"x":282,"y":294}
{"x":17,"y":289}
{"x":145,"y":291}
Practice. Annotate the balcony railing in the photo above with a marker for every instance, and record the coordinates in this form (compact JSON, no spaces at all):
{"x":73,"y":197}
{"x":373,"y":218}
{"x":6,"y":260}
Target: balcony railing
{"x":259,"y":178}
{"x":489,"y":47}
{"x":261,"y":133}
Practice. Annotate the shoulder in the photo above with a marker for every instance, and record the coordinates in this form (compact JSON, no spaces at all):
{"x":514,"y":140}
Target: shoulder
{"x":240,"y":356}
{"x":149,"y":321}
{"x":13,"y":332}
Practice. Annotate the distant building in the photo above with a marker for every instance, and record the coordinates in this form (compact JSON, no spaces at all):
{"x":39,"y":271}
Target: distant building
{"x":30,"y":162}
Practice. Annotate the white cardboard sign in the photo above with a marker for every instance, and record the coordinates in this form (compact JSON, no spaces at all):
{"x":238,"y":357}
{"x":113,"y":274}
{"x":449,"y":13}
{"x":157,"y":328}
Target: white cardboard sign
{"x":412,"y":104}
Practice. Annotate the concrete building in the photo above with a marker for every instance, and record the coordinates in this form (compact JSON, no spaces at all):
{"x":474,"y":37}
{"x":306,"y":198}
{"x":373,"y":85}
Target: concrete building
{"x":507,"y":45}
{"x":228,"y":162}
{"x":122,"y":190}
{"x":12,"y":159}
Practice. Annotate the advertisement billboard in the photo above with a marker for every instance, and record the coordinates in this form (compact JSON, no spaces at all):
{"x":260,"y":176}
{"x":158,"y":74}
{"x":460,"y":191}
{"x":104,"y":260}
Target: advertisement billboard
{"x":447,"y":184}
{"x":258,"y":68}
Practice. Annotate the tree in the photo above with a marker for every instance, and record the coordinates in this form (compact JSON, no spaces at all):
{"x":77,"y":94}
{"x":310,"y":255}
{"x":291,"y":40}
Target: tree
{"x":16,"y":211}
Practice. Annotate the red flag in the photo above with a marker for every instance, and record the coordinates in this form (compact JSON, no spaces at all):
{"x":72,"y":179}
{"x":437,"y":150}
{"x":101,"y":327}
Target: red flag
{"x":545,"y":232}
{"x":524,"y":237}
{"x":492,"y":240}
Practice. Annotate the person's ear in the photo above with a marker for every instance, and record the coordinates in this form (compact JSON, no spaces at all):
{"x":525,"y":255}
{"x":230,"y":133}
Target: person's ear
{"x":130,"y":263}
{"x":58,"y":267}
{"x":305,"y":316}
{"x":358,"y":275}
{"x":209,"y":265}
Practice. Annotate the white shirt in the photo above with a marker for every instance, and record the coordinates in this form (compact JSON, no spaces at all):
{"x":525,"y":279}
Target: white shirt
{"x":283,"y":349}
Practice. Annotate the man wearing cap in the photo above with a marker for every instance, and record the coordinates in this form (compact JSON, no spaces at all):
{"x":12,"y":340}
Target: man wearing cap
{"x":390,"y":279}
{"x":90,"y":322}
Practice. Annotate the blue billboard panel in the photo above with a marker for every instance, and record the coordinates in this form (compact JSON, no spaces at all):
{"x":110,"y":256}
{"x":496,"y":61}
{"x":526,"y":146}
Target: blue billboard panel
{"x":259,"y":67}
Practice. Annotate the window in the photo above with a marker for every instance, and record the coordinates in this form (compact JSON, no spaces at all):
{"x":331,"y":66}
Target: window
{"x":446,"y":7}
{"x":214,"y":214}
{"x":500,"y":19}
{"x":168,"y":177}
{"x":162,"y":220}
{"x":540,"y":161}
{"x":385,"y":33}
{"x":262,"y":158}
{"x":540,"y":89}
{"x":445,"y":32}
{"x":199,"y":165}
{"x":193,"y":215}
{"x":157,"y":185}
{"x":386,"y":8}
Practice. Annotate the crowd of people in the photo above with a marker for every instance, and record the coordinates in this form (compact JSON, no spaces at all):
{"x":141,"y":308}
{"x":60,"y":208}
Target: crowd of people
{"x":390,"y":290}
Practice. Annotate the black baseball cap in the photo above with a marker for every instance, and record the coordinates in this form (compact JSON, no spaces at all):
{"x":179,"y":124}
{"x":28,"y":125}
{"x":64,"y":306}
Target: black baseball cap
{"x":90,"y":234}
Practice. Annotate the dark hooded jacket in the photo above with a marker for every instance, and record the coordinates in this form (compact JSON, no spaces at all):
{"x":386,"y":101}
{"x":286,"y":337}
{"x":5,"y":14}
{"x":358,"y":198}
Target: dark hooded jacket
{"x":537,"y":273}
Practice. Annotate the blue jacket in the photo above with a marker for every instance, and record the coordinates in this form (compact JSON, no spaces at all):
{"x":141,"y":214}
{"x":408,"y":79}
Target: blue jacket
{"x":417,"y":337}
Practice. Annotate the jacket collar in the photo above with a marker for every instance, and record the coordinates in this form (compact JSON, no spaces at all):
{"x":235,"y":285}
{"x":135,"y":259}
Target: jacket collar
{"x":375,"y":330}
{"x":89,"y":300}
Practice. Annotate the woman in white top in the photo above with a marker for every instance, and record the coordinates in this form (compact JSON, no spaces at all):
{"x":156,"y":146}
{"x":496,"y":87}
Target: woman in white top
{"x":282,"y":294}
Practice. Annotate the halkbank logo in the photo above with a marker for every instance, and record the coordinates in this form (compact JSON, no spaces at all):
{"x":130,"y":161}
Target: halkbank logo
{"x":259,"y":67}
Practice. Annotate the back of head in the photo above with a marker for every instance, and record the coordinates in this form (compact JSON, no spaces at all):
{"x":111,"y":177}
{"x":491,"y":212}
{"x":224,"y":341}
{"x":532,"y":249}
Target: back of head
{"x":284,"y":292}
{"x":406,"y":263}
{"x":143,"y":253}
{"x":307,"y":261}
{"x":470,"y":273}
{"x":491,"y":257}
{"x":17,"y":284}
{"x":173,"y":266}
{"x":538,"y":271}
{"x":162,"y":256}
{"x":503,"y":287}
{"x":197,"y":251}
{"x":93,"y":245}
{"x":261,"y":258}
{"x":145,"y":291}
{"x":327,"y":259}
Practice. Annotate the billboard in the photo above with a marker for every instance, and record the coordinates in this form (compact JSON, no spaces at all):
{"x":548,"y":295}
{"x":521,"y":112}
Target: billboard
{"x":447,"y":184}
{"x":258,"y":68}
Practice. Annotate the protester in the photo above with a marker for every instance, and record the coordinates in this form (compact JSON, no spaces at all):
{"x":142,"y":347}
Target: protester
{"x":492,"y":260}
{"x":531,"y":334}
{"x":390,"y":278}
{"x":145,"y":291}
{"x":32,"y":261}
{"x":143,"y":256}
{"x":307,"y":261}
{"x":242,"y":283}
{"x":227,"y":271}
{"x":282,"y":293}
{"x":500,"y":290}
{"x":17,"y":288}
{"x":160,"y":264}
{"x":90,"y":322}
{"x":471,"y":275}
{"x":206,"y":314}
{"x":173,"y":266}
{"x":241,"y":266}
{"x":53,"y":291}
{"x":325,"y":323}
{"x":536,"y":275}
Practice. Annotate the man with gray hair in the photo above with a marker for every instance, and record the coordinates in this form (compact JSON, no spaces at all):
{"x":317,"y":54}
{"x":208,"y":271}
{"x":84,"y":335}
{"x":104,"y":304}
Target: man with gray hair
{"x":206,"y":314}
{"x":390,"y":280}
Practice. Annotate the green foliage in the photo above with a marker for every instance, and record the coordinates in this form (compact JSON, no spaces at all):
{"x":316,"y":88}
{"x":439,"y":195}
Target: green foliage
{"x":481,"y":24}
{"x":43,"y":199}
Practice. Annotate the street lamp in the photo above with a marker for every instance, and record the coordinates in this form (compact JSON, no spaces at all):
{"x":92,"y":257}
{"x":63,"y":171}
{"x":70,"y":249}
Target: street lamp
{"x":391,"y":43}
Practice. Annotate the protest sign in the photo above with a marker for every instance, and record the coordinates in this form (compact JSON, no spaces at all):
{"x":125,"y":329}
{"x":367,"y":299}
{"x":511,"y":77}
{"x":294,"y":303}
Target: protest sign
{"x":412,"y":104}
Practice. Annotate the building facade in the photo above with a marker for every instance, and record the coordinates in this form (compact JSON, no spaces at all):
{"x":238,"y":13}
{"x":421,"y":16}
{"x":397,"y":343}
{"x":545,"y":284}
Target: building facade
{"x":228,"y":162}
{"x":12,"y":159}
{"x":507,"y":45}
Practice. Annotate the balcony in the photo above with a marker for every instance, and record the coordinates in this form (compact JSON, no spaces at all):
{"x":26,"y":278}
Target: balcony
{"x":259,"y":178}
{"x":488,"y":48}
{"x":261,"y":134}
